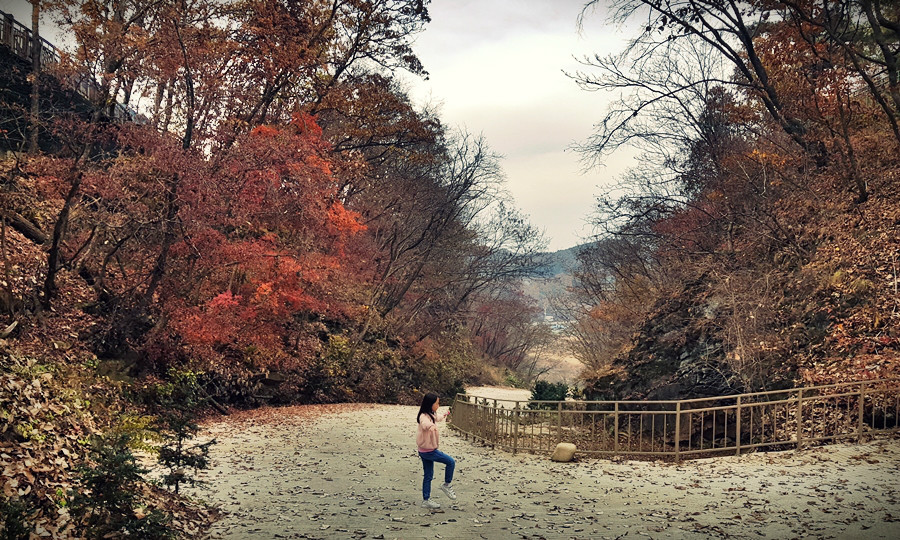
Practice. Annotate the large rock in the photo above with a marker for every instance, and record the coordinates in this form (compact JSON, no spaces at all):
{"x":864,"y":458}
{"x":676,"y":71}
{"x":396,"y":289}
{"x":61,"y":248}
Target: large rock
{"x":676,"y":354}
{"x":564,"y":452}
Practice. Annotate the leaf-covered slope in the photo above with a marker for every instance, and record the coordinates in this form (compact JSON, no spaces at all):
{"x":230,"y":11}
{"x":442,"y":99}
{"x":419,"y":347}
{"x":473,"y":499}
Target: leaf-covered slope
{"x":834,"y":317}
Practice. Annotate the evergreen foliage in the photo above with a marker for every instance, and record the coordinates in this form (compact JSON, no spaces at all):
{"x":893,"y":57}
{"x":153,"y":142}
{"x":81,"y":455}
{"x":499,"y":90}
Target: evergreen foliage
{"x":108,"y":501}
{"x":547,"y":391}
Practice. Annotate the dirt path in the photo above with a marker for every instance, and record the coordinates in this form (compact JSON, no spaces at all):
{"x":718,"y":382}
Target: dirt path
{"x":351,"y":471}
{"x":500,"y":392}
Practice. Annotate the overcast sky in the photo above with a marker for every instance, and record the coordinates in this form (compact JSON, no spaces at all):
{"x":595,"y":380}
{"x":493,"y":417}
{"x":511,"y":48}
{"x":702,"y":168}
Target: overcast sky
{"x":496,"y":67}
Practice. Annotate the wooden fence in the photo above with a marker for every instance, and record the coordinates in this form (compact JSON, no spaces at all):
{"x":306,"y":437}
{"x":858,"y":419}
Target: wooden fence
{"x":734,"y":424}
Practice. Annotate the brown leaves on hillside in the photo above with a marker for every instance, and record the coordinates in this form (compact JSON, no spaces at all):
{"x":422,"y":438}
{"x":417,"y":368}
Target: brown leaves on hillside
{"x":48,"y":414}
{"x":860,"y":293}
{"x":43,"y":423}
{"x":774,"y":188}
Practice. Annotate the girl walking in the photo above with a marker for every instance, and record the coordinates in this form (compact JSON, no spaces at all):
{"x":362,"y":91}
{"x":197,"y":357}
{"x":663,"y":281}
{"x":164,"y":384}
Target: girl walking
{"x":427,"y":441}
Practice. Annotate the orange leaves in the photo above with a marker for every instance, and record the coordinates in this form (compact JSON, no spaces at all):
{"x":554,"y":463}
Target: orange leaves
{"x":264,"y":131}
{"x":343,"y":222}
{"x":318,"y":163}
{"x":224,"y":300}
{"x":307,"y":125}
{"x":264,"y":241}
{"x":768,"y":158}
{"x":263,"y":291}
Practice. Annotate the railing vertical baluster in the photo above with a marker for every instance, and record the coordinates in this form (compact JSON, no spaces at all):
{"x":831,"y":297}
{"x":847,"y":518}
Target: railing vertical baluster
{"x":640,"y":444}
{"x":770,"y":414}
{"x":862,"y":405}
{"x":8,"y":30}
{"x":678,"y":431}
{"x":628,"y":436}
{"x":559,"y":422}
{"x":616,"y":429}
{"x":799,"y":419}
{"x":713,"y":432}
{"x":581,"y":424}
{"x":516,"y":429}
{"x":496,"y":414}
{"x":737,"y":428}
{"x":724,"y":428}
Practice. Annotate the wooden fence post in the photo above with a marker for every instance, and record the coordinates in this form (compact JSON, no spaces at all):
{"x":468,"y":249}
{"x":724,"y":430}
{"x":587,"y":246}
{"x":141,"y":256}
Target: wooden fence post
{"x":799,"y":419}
{"x":516,"y":429}
{"x":496,"y":424}
{"x":678,"y":431}
{"x":616,"y":429}
{"x":559,"y":422}
{"x":862,"y":406}
{"x":737,"y":428}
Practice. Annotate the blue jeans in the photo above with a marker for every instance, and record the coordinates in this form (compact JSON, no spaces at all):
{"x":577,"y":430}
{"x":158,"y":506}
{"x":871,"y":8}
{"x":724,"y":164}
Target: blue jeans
{"x":428,"y":459}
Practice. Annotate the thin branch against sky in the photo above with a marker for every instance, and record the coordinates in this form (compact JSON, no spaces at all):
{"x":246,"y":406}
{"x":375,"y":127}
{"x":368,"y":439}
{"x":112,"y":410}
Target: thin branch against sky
{"x":497,"y":67}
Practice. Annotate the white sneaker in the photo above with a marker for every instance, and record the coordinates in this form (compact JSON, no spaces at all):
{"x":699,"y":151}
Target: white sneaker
{"x":430,"y":504}
{"x":448,"y":491}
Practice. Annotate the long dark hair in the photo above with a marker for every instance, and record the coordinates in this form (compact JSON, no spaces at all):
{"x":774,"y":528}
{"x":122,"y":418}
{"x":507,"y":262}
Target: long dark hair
{"x":427,"y":404}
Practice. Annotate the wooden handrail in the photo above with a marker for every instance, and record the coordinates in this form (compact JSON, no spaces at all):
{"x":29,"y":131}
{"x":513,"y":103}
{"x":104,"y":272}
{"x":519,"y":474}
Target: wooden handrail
{"x":672,"y":402}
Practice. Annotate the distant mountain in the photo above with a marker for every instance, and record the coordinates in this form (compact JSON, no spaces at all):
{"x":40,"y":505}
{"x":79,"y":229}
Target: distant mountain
{"x":563,"y":261}
{"x":559,"y":276}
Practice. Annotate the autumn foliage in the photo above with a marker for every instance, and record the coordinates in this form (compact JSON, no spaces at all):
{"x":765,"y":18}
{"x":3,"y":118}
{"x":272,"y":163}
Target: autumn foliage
{"x":246,"y":195}
{"x":276,"y":209}
{"x":757,"y":244}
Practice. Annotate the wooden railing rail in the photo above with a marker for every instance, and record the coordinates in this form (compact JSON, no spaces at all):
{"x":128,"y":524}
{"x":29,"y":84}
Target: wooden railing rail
{"x":733,"y":424}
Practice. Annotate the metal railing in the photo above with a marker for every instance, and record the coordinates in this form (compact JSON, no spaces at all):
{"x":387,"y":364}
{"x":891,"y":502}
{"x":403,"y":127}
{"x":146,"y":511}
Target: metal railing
{"x":734,"y":424}
{"x":18,"y":39}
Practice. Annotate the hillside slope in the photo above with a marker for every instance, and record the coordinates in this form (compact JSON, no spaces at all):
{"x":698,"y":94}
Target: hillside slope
{"x":777,"y":322}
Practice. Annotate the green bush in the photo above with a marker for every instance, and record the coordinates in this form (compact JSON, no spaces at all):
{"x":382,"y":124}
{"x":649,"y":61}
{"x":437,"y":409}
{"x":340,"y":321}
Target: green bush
{"x":14,"y":520}
{"x":510,"y":378}
{"x":545,"y":391}
{"x":179,"y":403}
{"x":109,"y":484}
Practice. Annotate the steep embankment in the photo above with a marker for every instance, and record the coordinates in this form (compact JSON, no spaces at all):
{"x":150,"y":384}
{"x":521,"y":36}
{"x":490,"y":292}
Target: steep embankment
{"x":826,"y":310}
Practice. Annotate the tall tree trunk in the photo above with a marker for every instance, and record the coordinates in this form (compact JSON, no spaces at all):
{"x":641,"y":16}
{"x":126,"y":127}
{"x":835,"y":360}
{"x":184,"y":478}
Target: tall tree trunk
{"x":59,"y":230}
{"x":891,"y":59}
{"x":159,"y":269}
{"x":34,"y":119}
{"x":862,"y":190}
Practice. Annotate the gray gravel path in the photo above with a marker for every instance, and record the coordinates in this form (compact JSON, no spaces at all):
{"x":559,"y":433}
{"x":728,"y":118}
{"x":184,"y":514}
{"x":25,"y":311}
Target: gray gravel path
{"x":351,"y":471}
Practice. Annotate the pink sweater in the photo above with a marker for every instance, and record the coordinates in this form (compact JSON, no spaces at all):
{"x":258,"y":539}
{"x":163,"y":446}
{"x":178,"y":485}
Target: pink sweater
{"x":427,"y":437}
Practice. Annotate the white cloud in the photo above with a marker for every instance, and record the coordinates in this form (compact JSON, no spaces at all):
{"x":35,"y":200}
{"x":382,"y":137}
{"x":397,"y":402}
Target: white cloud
{"x":496,"y":66}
